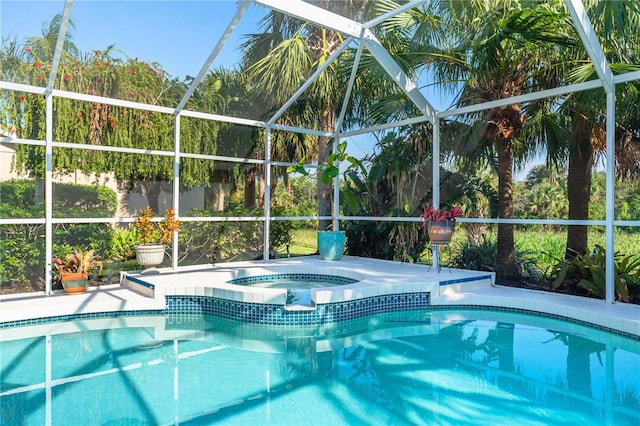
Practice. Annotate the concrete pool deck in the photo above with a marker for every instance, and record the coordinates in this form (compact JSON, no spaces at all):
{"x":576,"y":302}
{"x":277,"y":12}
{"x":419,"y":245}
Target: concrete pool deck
{"x":449,"y":287}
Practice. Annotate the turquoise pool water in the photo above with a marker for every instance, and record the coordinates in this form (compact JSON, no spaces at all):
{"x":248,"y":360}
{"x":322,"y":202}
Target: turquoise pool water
{"x":291,"y":281}
{"x":440,"y":367}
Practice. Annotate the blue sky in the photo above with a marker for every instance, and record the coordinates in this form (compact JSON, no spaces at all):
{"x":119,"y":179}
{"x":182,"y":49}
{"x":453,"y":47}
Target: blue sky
{"x":179,"y":35}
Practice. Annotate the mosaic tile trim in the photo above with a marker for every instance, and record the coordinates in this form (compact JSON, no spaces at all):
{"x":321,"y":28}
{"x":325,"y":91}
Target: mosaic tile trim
{"x":536,"y":314}
{"x":272,"y":278}
{"x":279,"y":311}
{"x":465,"y":280}
{"x":259,"y":313}
{"x":71,"y":317}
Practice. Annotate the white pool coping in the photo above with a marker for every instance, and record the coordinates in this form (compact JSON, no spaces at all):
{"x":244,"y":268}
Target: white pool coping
{"x":447,"y":287}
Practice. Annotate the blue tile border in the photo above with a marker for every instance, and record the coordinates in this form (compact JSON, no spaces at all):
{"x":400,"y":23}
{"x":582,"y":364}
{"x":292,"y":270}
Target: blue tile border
{"x":324,"y":313}
{"x":273,"y":278}
{"x":465,"y":280}
{"x":139,"y":281}
{"x":270,"y":314}
{"x":70,"y":317}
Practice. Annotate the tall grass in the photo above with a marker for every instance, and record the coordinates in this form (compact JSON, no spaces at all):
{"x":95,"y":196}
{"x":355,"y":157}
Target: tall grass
{"x":543,"y":248}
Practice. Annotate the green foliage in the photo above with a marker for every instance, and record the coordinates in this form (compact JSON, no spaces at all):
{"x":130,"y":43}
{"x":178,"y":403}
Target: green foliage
{"x":331,"y":169}
{"x":122,"y":245}
{"x":543,"y":195}
{"x":481,"y":256}
{"x":588,"y":272}
{"x":228,"y":241}
{"x":22,"y":254}
{"x":299,"y":200}
{"x":21,"y":193}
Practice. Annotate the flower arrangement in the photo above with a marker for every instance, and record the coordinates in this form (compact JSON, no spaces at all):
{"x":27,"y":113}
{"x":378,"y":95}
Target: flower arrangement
{"x":431,"y":214}
{"x":150,"y":232}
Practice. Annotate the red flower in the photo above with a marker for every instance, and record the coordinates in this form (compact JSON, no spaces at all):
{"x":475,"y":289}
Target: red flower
{"x":67,"y":77}
{"x":80,"y":116}
{"x":112,"y":122}
{"x":40,"y":77}
{"x":37,"y":64}
{"x":28,"y":50}
{"x":437,"y":215}
{"x":132,"y":70}
{"x":22,"y":98}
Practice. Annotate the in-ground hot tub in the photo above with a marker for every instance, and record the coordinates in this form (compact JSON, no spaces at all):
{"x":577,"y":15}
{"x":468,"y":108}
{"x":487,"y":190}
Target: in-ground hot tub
{"x":337,"y":291}
{"x":298,"y":285}
{"x":293,"y":281}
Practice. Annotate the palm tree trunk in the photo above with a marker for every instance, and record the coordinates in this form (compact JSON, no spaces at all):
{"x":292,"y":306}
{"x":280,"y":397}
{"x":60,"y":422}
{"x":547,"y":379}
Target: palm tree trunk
{"x":327,"y":121}
{"x":249,"y":190}
{"x":152,"y":191}
{"x":506,"y":265}
{"x":579,"y":192}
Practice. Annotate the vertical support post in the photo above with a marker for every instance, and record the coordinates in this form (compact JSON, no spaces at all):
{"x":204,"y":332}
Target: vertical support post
{"x":435,"y":185}
{"x":48,"y":192}
{"x":176,"y":186}
{"x":610,"y":198}
{"x":267,"y":194}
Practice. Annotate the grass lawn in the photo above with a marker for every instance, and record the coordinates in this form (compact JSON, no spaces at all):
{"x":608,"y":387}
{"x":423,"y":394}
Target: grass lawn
{"x":304,"y":243}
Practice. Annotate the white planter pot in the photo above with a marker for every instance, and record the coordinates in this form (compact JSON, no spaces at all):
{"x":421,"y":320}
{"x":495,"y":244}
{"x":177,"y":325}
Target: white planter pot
{"x":149,"y":255}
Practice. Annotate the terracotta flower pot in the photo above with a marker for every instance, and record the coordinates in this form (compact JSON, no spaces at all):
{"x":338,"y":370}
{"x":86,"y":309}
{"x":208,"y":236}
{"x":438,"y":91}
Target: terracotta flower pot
{"x":74,"y":283}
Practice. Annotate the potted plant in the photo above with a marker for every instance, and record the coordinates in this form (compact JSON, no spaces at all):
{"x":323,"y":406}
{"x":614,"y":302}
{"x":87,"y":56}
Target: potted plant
{"x":440,"y":223}
{"x":73,"y":269}
{"x":153,"y":237}
{"x":331,"y":243}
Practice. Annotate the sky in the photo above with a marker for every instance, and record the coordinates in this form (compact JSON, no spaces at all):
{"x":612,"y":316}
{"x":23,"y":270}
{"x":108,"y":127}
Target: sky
{"x":179,"y":35}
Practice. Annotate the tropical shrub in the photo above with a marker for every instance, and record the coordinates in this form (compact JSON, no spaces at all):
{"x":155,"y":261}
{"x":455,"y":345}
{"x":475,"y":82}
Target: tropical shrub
{"x":22,"y":246}
{"x":481,"y":256}
{"x":589,"y":273}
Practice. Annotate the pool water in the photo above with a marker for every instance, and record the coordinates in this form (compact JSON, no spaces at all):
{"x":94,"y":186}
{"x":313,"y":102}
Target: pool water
{"x":445,"y":367}
{"x":293,"y":281}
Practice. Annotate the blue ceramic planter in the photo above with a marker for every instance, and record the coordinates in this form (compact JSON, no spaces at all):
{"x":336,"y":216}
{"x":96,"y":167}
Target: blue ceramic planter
{"x":331,"y":244}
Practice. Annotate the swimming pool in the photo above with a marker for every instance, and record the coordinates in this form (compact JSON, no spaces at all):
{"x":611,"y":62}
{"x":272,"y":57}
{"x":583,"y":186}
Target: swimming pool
{"x":428,"y":366}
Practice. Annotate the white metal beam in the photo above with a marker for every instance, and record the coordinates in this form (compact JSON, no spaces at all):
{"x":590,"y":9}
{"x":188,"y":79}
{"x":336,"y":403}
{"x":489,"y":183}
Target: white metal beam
{"x":315,"y":14}
{"x":310,"y":80}
{"x":212,"y":56}
{"x":591,"y":43}
{"x":57,"y":53}
{"x":397,"y":74}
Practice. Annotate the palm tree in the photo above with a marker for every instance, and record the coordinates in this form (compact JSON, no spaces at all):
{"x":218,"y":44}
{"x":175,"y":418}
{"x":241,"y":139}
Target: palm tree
{"x":43,"y":47}
{"x":282,"y":57}
{"x":483,"y":51}
{"x":617,"y":22}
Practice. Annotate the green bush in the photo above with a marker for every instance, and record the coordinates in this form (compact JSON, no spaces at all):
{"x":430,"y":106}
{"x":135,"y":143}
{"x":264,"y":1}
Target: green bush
{"x":481,"y":256}
{"x":229,"y":241}
{"x":588,"y":272}
{"x":22,"y":246}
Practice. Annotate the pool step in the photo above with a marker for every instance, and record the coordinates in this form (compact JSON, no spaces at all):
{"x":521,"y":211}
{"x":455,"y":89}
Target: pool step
{"x":299,"y":308}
